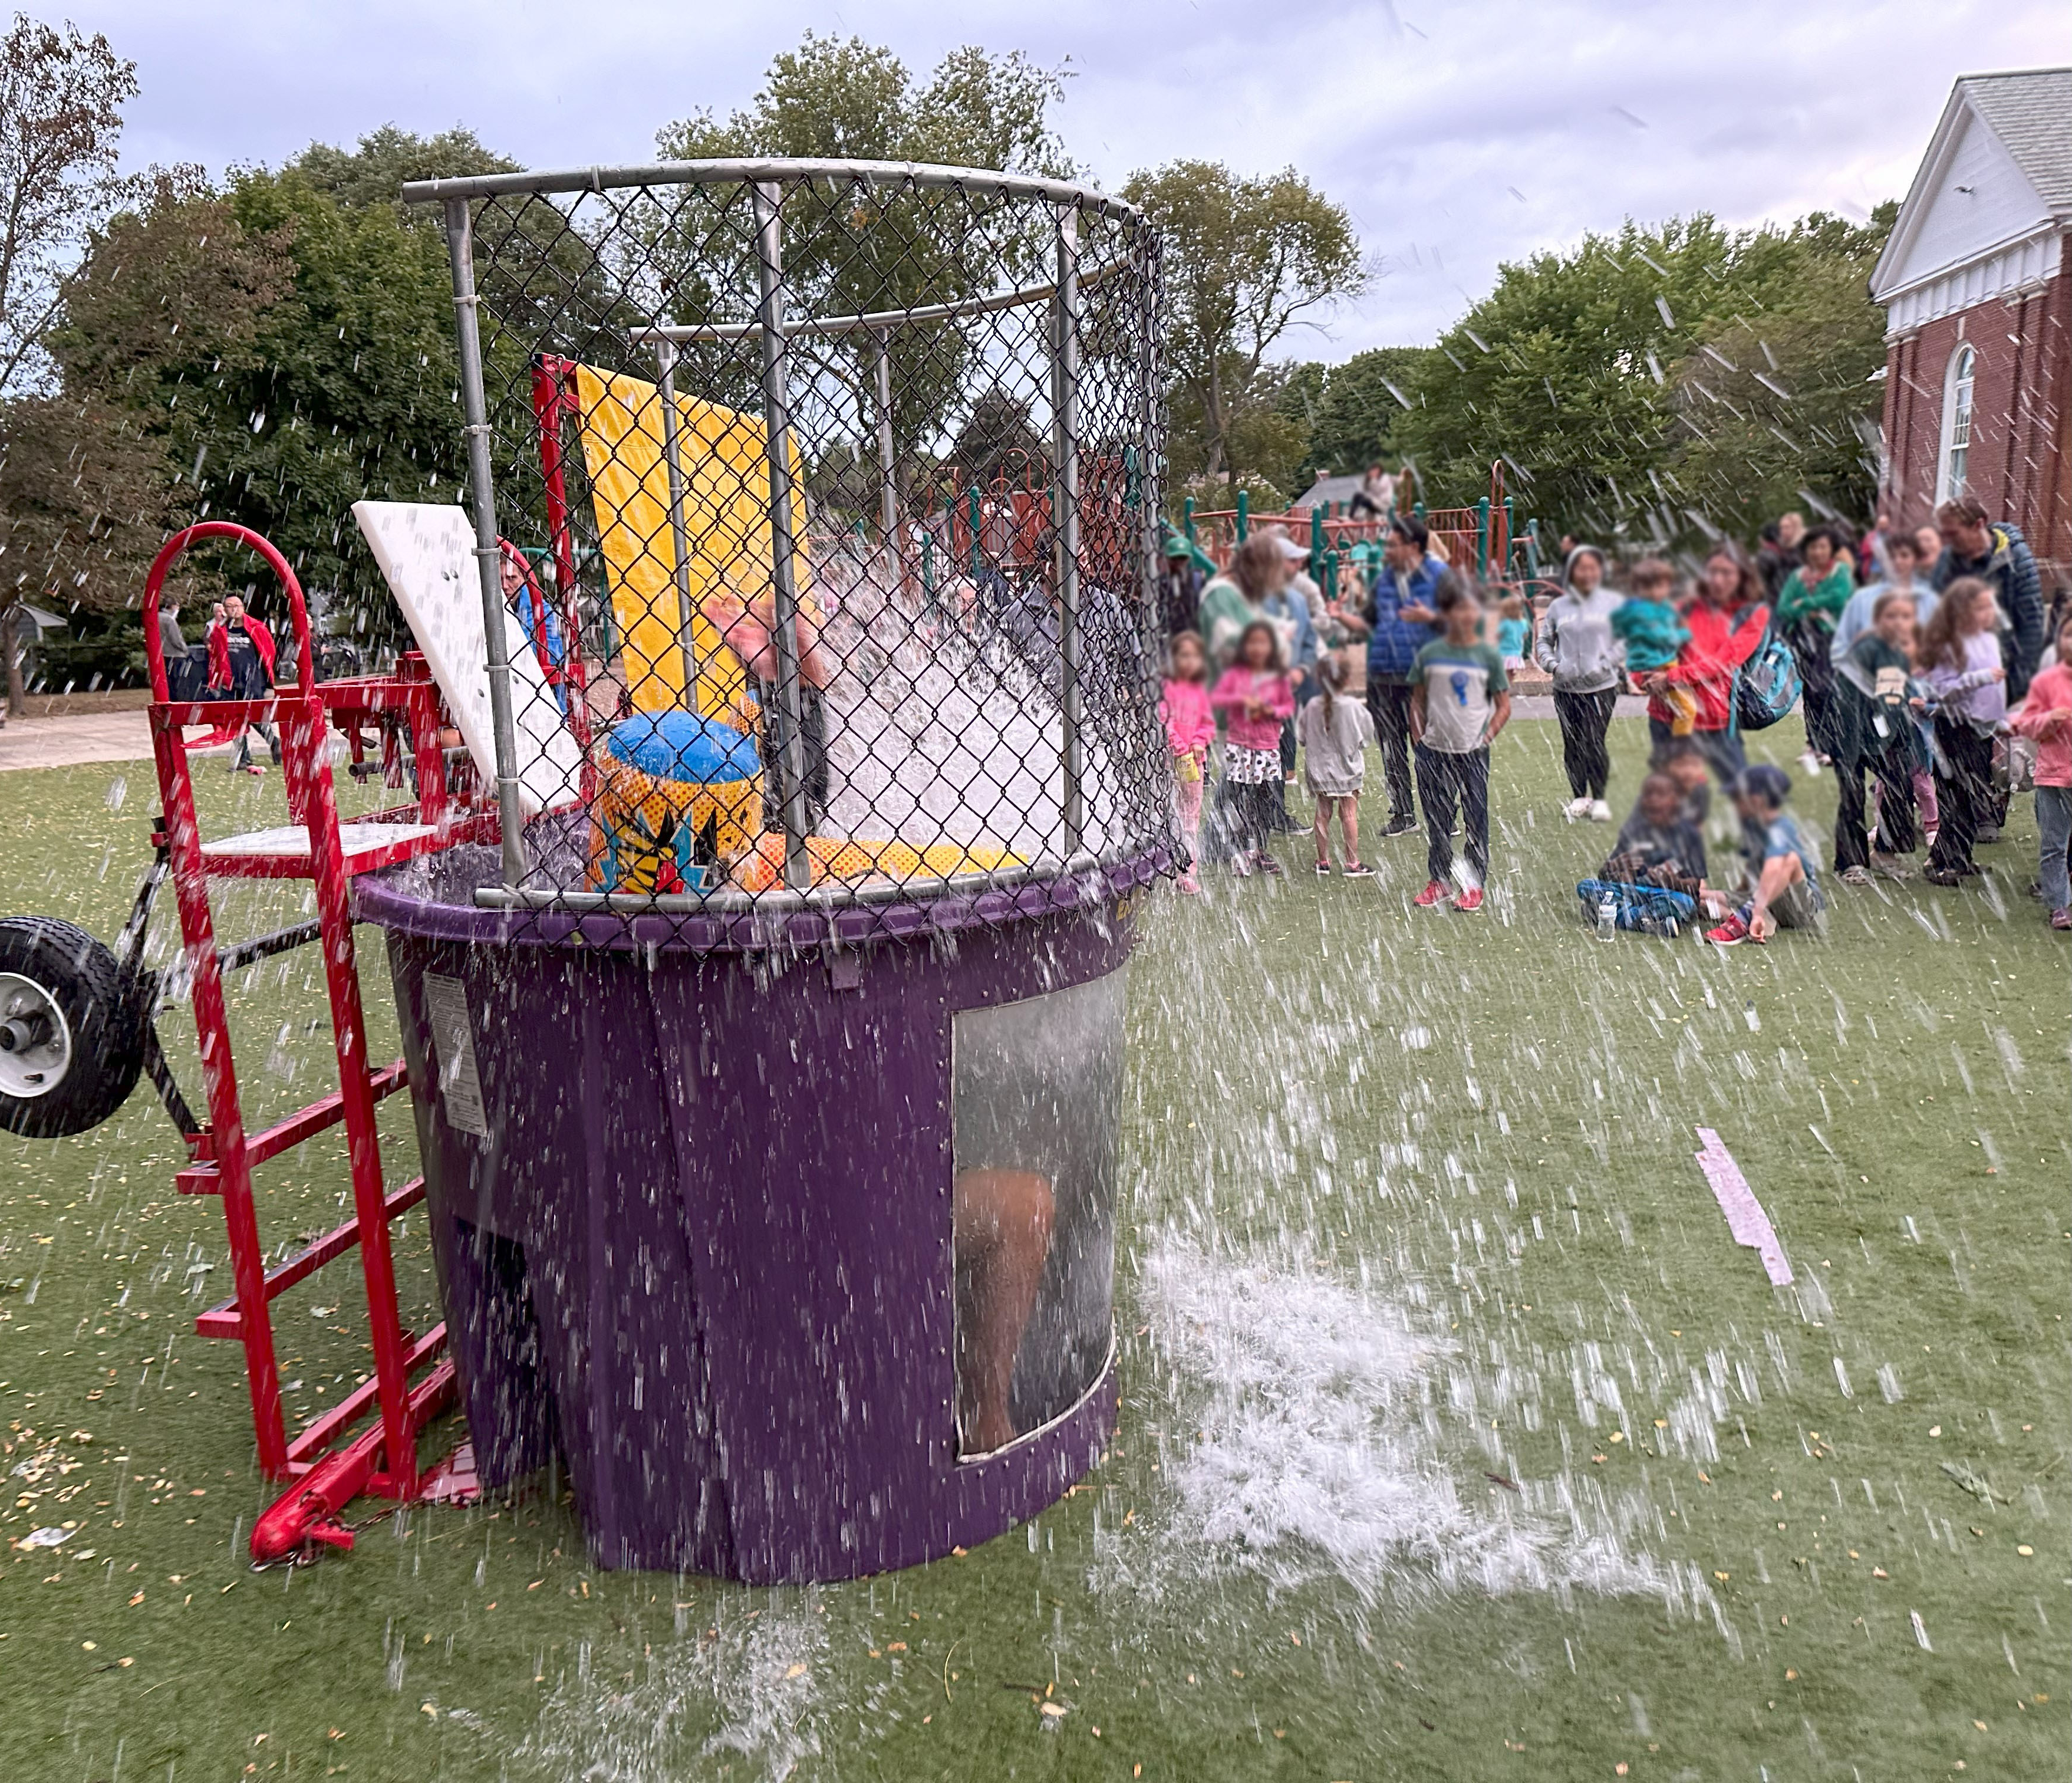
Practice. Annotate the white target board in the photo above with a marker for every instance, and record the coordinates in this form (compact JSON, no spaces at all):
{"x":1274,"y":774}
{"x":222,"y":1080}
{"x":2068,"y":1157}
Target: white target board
{"x":426,"y":551}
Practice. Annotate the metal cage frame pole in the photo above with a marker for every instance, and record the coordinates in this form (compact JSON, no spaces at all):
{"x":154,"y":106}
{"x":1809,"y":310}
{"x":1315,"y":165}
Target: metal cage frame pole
{"x":888,"y":462}
{"x":768,"y":200}
{"x":679,"y":537}
{"x":1151,"y":474}
{"x":1065,"y":436}
{"x":488,"y":553}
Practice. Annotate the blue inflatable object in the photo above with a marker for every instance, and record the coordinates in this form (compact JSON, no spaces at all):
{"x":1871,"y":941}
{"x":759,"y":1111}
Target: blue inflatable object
{"x":684,"y":746}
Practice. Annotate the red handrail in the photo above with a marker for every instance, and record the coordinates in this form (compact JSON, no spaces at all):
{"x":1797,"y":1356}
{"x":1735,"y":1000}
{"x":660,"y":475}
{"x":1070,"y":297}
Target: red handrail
{"x":154,"y":649}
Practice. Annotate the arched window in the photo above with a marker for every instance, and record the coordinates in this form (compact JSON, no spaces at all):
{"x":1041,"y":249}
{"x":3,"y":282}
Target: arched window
{"x":1951,"y":479}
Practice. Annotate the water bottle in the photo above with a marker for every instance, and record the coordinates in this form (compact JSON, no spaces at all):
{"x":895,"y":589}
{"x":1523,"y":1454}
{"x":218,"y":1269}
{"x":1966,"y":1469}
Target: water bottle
{"x":1607,"y":917}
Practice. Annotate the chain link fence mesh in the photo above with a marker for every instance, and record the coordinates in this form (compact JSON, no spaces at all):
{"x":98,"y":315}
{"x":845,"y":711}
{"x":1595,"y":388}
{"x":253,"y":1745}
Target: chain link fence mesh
{"x":826,"y":505}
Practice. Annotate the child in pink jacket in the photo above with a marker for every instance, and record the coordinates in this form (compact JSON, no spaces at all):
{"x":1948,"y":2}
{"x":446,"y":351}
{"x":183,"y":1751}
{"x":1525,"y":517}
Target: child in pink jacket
{"x":1190,"y":727}
{"x":2047,"y":715}
{"x":1255,"y":697}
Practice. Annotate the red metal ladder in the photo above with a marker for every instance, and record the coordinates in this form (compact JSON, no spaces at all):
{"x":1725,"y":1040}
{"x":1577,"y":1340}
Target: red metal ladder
{"x":411,"y":1383}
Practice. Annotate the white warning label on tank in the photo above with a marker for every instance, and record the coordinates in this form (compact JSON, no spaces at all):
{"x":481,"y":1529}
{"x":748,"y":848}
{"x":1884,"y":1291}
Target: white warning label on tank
{"x":452,"y":1054}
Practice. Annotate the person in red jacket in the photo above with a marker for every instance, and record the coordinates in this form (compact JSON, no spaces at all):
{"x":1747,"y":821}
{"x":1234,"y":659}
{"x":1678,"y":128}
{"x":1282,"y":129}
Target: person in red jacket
{"x":1727,"y":622}
{"x":241,"y":658}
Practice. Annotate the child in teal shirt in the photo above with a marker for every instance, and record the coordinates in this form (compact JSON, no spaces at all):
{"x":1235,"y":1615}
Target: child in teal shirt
{"x":1653,"y":633}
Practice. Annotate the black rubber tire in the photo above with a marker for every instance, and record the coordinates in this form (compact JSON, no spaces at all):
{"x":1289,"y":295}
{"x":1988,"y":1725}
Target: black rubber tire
{"x":107,"y":1053}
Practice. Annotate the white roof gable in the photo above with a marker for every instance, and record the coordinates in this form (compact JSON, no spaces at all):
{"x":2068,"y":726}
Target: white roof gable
{"x":1971,"y":199}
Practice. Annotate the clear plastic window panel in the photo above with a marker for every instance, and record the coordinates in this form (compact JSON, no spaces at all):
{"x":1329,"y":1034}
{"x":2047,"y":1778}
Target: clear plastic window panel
{"x":1036,"y":1102}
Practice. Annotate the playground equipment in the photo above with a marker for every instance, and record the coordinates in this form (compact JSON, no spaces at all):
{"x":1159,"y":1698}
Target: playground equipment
{"x":760,"y":984}
{"x":1485,"y":538}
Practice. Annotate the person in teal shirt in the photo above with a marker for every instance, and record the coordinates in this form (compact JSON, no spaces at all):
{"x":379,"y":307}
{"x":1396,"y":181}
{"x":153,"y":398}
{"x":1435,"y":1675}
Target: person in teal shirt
{"x":1809,"y":607}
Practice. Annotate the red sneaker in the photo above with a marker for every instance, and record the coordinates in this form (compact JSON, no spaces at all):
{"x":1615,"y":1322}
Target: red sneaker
{"x":1470,"y":901}
{"x":1730,"y":933}
{"x":1433,"y":894}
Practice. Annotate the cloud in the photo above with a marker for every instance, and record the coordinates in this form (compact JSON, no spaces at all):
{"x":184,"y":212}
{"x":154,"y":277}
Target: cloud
{"x":1420,"y":117}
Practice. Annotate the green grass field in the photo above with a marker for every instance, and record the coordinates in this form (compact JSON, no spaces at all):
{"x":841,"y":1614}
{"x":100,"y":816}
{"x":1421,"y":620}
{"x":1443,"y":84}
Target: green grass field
{"x":1459,"y":1439}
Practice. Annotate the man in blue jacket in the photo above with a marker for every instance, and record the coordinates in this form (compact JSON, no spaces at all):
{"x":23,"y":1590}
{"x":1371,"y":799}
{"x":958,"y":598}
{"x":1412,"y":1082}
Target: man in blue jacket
{"x":1401,"y":619}
{"x":1999,"y":555}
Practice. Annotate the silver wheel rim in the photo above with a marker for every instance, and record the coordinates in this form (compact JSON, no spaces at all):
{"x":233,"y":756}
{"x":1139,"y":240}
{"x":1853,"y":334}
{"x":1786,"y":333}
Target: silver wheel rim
{"x":35,"y":1039}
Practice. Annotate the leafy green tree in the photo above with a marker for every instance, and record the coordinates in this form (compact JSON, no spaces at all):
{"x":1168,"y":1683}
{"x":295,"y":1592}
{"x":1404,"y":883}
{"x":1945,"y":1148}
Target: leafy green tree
{"x":386,"y":159}
{"x":1559,"y":371}
{"x":1587,"y":374}
{"x":350,"y":389}
{"x":849,"y":250}
{"x":62,"y":488}
{"x":89,"y":479}
{"x":1354,"y":417}
{"x":1779,"y":406}
{"x":1245,"y":262}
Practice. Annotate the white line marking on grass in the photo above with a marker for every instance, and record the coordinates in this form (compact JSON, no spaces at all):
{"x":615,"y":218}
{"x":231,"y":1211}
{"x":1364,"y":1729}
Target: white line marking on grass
{"x":1746,"y":1218}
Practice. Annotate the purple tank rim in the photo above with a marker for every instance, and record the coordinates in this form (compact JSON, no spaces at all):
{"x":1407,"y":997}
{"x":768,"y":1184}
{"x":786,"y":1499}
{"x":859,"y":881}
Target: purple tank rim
{"x":381,"y":898}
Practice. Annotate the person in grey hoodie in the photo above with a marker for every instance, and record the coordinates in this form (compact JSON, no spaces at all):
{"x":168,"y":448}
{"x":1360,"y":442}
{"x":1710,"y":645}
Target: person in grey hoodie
{"x":1578,"y":648}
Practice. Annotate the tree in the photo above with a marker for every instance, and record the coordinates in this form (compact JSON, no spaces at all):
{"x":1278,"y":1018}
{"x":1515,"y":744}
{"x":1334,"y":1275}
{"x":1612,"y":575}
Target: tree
{"x":165,"y":296}
{"x":1245,"y":261}
{"x":1354,"y":417}
{"x":386,"y":159}
{"x":82,"y":494}
{"x":849,"y":250}
{"x":61,"y":100}
{"x":1000,"y":440}
{"x":1779,"y":406}
{"x":1590,"y":374}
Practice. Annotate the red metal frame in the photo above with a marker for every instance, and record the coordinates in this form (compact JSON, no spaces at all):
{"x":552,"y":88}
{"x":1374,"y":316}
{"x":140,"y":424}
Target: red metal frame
{"x":406,"y":710}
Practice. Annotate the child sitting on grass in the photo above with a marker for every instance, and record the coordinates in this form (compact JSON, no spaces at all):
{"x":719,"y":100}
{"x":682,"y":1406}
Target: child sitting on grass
{"x":1256,"y":694}
{"x":1784,"y":891}
{"x":1653,"y":633}
{"x":1334,"y":731}
{"x":1685,"y":764}
{"x":1658,"y":845}
{"x":1190,"y":727}
{"x":1460,"y":701}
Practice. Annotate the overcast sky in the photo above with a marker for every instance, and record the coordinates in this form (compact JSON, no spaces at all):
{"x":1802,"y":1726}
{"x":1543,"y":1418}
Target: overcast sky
{"x":1459,"y":136}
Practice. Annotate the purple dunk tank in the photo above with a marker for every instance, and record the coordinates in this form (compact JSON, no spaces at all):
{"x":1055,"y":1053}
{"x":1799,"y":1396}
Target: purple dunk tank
{"x":699,"y":1212}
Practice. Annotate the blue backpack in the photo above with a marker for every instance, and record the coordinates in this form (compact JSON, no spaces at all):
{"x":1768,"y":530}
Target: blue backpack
{"x":1766,"y":686}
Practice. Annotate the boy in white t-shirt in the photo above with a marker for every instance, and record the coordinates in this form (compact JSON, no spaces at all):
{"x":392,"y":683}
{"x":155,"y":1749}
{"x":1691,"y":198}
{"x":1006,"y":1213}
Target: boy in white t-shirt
{"x":1460,"y":700}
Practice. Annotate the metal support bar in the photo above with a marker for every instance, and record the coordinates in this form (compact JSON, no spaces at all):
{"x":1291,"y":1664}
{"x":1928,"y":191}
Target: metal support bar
{"x":791,"y":761}
{"x":888,"y":462}
{"x":488,"y":554}
{"x":679,"y":536}
{"x":1065,"y":454}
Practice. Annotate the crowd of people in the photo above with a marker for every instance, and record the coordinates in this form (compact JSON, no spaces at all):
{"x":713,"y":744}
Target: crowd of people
{"x":1932,"y":683}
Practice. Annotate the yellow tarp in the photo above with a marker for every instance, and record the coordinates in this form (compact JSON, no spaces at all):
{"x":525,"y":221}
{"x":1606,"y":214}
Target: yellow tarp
{"x":723,"y":459}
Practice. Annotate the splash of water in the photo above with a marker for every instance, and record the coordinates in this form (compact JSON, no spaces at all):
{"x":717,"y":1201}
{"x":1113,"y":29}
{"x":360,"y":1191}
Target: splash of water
{"x":1321,"y":1452}
{"x":758,"y":1679}
{"x":940,"y":727}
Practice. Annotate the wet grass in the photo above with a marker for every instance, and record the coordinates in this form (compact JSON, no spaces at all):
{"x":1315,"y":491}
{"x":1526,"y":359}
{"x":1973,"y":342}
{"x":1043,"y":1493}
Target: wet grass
{"x":1459,"y":1439}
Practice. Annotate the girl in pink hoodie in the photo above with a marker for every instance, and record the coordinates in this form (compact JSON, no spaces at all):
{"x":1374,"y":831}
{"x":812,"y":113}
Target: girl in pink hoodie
{"x":1255,"y":697}
{"x":1190,"y":727}
{"x":2047,"y":715}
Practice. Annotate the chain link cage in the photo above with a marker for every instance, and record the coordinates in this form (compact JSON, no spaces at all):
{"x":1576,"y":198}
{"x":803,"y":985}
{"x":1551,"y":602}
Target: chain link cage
{"x":814,"y":508}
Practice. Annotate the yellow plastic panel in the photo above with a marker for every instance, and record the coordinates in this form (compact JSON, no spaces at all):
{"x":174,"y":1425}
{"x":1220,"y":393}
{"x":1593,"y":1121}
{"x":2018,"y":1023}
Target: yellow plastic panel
{"x":724,"y":461}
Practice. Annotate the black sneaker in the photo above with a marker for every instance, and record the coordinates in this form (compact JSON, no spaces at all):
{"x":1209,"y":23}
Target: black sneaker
{"x":1398,"y":825}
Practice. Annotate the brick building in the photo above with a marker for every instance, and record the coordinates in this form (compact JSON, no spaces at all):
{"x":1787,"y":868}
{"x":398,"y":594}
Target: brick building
{"x":1976,"y":283}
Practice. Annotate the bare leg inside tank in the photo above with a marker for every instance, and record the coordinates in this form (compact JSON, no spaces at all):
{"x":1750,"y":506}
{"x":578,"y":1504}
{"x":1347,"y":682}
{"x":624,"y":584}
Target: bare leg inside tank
{"x":1000,"y":1234}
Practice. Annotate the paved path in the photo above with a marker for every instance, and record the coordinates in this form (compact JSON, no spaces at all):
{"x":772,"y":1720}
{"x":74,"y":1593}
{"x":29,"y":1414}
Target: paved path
{"x":65,"y":743}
